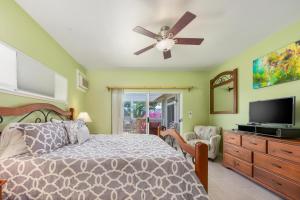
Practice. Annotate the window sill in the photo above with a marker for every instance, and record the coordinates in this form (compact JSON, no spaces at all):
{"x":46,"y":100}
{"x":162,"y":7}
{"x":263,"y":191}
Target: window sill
{"x":21,"y":93}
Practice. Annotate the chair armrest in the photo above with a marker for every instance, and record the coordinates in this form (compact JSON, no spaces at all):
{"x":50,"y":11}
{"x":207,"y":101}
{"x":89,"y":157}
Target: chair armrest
{"x":189,"y":136}
{"x":215,"y":142}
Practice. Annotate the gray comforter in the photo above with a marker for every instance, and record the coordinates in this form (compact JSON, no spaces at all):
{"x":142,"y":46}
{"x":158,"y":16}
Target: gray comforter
{"x":105,"y":167}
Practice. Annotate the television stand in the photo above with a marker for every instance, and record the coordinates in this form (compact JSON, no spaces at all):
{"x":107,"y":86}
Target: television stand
{"x":278,"y":132}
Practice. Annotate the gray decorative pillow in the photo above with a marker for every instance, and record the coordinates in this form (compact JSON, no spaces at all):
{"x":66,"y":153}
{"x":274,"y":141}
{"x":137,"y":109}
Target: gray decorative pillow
{"x":44,"y":138}
{"x":72,"y":128}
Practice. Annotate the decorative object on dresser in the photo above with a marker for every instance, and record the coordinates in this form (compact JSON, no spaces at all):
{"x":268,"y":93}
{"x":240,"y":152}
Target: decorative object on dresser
{"x":2,"y":182}
{"x":209,"y":135}
{"x":224,"y":93}
{"x":271,"y":162}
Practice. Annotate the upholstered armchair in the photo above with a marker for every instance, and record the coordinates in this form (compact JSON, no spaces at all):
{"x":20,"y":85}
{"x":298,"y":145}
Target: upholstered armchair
{"x":209,"y":135}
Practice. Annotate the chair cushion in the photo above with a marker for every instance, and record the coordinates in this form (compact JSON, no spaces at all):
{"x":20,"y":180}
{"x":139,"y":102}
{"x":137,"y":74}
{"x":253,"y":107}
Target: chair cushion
{"x":206,"y":132}
{"x":193,"y":142}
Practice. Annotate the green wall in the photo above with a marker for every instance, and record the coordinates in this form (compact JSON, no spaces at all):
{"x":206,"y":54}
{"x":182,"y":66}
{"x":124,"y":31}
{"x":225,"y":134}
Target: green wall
{"x":20,"y":31}
{"x":98,"y":99}
{"x":244,"y":64}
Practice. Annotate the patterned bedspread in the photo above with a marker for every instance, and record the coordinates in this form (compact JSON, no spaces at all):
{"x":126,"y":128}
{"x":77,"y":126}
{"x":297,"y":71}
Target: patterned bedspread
{"x":105,"y":167}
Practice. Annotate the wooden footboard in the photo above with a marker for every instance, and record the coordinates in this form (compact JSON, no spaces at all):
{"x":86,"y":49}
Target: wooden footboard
{"x":199,"y":152}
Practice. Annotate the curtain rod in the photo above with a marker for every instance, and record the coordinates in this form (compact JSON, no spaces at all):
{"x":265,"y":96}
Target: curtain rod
{"x":152,"y":87}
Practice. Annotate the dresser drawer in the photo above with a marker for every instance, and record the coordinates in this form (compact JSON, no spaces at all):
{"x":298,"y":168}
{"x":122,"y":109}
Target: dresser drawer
{"x":284,"y":186}
{"x":232,"y":138}
{"x":286,"y":151}
{"x":255,"y":144}
{"x":237,"y":164}
{"x":238,"y":152}
{"x":278,"y":166}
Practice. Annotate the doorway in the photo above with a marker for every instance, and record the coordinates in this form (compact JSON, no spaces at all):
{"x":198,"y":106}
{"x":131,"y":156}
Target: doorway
{"x":145,"y":112}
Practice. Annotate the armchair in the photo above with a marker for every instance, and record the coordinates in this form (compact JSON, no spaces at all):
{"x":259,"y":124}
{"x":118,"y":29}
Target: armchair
{"x":209,"y":135}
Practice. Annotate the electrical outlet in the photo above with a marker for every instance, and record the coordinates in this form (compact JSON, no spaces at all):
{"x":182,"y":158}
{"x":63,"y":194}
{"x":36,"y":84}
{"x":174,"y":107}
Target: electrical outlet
{"x":190,"y":114}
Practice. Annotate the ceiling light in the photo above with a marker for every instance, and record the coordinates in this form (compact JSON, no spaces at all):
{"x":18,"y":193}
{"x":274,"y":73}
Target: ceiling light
{"x":165,"y":44}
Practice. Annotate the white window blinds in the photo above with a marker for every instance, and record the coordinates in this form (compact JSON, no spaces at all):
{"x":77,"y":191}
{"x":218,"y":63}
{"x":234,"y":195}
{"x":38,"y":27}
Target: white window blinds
{"x":22,"y":75}
{"x":34,"y":77}
{"x":8,"y":60}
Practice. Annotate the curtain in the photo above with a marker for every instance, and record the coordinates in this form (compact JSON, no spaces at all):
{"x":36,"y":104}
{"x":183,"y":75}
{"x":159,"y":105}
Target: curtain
{"x":117,"y":111}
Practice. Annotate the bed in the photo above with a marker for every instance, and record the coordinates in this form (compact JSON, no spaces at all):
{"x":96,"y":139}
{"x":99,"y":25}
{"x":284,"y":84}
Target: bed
{"x":133,"y":166}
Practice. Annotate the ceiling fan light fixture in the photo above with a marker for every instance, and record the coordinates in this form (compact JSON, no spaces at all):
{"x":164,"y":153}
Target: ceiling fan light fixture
{"x":165,"y":44}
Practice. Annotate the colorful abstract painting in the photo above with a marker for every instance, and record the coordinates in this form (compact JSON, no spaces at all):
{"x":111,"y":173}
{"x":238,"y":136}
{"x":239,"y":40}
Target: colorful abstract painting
{"x":277,"y":67}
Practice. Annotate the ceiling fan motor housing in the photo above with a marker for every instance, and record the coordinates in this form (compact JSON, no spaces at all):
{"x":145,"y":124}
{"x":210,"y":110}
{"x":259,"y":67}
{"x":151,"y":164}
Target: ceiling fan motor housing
{"x":164,"y":32}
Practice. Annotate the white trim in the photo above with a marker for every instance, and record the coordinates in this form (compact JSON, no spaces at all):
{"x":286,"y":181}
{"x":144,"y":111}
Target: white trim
{"x":21,"y":93}
{"x":181,"y":113}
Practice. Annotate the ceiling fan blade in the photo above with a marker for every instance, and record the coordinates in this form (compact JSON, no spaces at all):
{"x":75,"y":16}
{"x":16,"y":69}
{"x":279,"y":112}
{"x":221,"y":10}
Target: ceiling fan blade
{"x":181,"y":23}
{"x":145,"y":49}
{"x":145,"y":32}
{"x":189,"y":41}
{"x":167,"y":54}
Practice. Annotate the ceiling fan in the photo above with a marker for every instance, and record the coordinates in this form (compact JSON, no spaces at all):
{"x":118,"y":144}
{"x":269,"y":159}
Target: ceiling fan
{"x":165,"y":39}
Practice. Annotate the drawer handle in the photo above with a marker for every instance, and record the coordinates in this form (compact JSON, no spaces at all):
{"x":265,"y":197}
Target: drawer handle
{"x":237,"y":151}
{"x":236,"y":163}
{"x":253,"y":143}
{"x":276,"y":182}
{"x":286,"y":151}
{"x":275,"y":165}
{"x":232,"y":138}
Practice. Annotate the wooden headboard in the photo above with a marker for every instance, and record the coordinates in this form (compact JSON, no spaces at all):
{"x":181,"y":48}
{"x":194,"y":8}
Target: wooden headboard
{"x":44,"y":109}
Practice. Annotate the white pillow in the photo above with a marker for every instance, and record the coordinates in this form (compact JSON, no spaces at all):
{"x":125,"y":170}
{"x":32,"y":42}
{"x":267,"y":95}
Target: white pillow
{"x":12,"y":142}
{"x":83,"y":134}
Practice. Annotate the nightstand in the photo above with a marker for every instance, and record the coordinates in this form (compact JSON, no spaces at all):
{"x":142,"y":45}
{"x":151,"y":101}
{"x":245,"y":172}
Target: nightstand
{"x":2,"y":182}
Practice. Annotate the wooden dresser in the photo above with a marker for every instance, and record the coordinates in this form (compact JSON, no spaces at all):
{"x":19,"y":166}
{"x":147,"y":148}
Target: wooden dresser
{"x":271,"y":162}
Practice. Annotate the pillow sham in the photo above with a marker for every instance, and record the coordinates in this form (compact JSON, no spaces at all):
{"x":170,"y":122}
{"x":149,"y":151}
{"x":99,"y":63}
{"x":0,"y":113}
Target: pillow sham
{"x":44,"y":138}
{"x":72,"y":128}
{"x":12,"y":142}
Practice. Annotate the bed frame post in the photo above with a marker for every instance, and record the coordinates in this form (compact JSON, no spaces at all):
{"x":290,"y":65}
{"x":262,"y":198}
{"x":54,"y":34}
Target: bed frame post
{"x":72,"y":113}
{"x":201,"y":163}
{"x":199,"y":152}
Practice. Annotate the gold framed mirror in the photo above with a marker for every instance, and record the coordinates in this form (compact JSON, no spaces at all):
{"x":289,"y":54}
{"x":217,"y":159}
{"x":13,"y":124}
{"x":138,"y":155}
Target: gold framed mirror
{"x":224,"y":93}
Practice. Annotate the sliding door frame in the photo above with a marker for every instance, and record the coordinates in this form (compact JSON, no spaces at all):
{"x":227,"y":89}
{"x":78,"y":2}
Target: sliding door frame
{"x":180,"y":120}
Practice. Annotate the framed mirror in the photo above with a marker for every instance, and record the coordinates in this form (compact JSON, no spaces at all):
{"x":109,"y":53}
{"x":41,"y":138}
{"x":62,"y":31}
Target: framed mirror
{"x":224,"y":93}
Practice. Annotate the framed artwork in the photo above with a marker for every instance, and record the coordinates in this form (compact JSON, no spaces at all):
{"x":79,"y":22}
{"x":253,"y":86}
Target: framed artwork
{"x":277,"y":67}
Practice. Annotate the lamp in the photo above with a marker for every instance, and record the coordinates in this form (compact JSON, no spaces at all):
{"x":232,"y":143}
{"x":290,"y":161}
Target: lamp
{"x":165,"y":44}
{"x":85,"y":117}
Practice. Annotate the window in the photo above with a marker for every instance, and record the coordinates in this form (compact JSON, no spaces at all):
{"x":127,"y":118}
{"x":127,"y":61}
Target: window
{"x":22,"y":75}
{"x":8,"y":63}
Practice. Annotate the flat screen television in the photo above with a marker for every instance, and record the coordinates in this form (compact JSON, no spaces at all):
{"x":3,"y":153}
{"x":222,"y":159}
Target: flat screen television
{"x":274,"y":111}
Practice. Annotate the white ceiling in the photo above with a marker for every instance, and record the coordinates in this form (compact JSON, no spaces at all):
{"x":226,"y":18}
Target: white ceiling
{"x":98,"y":33}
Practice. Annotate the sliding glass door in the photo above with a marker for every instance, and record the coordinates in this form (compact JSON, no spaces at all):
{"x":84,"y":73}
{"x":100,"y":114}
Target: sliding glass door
{"x":145,"y":112}
{"x":135,"y":112}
